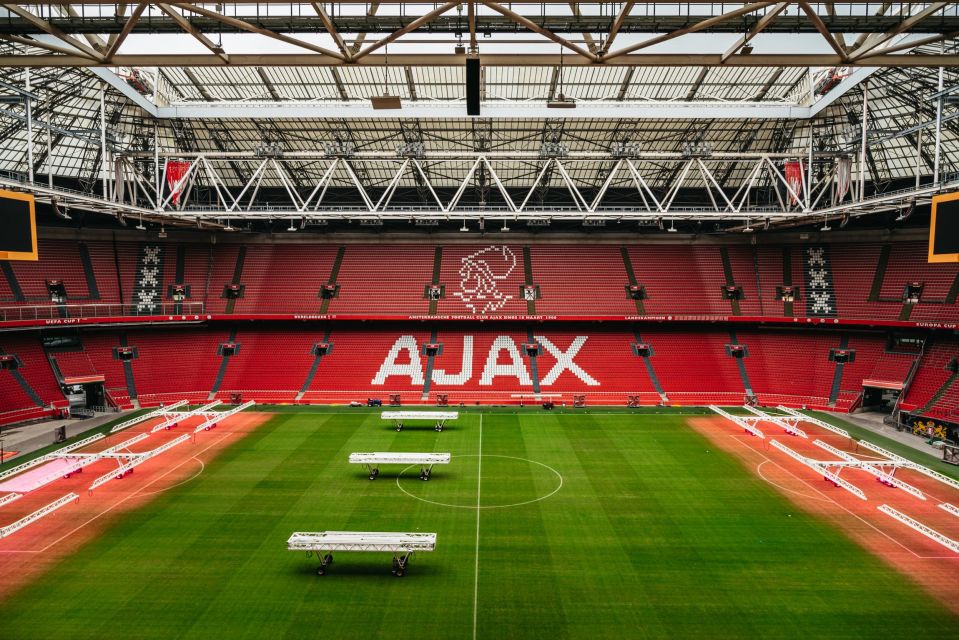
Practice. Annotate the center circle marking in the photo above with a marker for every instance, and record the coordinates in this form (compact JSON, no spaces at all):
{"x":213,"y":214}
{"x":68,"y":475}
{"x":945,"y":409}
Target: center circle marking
{"x":490,"y":506}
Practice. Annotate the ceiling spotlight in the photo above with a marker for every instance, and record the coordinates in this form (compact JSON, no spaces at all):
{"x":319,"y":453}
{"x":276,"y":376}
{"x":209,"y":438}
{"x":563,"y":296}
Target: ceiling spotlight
{"x":228,"y":227}
{"x":505,"y":228}
{"x":292,"y":226}
{"x":748,"y":228}
{"x":672,"y":227}
{"x":386,"y":101}
{"x":464,"y":227}
{"x":140,"y":224}
{"x":905,"y":213}
{"x":825,"y":225}
{"x":561,"y":102}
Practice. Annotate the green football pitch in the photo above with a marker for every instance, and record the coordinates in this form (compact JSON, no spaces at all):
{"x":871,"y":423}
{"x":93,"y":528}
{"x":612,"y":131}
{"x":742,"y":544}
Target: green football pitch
{"x":548,"y":526}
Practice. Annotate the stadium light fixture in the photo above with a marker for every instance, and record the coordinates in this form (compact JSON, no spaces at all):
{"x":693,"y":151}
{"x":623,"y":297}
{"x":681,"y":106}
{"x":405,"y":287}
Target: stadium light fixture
{"x":140,"y":224}
{"x":386,"y":101}
{"x":672,"y":227}
{"x":561,"y":101}
{"x":464,"y":227}
{"x":505,"y":228}
{"x":228,"y":227}
{"x":825,"y":224}
{"x":748,"y":228}
{"x":292,"y":226}
{"x":162,"y":233}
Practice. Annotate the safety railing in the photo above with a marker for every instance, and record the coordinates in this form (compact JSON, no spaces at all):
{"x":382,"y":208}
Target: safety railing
{"x":96,"y":310}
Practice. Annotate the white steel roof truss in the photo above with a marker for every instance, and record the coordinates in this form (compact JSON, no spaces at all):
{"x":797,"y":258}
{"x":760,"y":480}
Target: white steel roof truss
{"x":294,"y":198}
{"x":428,"y":183}
{"x":214,"y":177}
{"x":321,"y":184}
{"x":358,"y":184}
{"x":384,"y":200}
{"x":532,"y":188}
{"x":255,"y":176}
{"x":708,"y":178}
{"x":643,"y":188}
{"x":578,"y":198}
{"x":499,"y":185}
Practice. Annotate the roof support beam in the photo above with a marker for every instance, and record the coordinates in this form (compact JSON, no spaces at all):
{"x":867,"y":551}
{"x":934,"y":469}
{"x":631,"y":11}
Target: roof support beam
{"x":532,"y":26}
{"x":617,"y":25}
{"x":412,"y":26}
{"x":699,"y":26}
{"x":116,"y":42}
{"x":46,"y":27}
{"x":823,"y":30}
{"x":763,"y":22}
{"x":246,"y":26}
{"x":189,"y":28}
{"x":331,"y":29}
{"x":496,"y":109}
{"x":881,"y":59}
{"x":360,"y":37}
{"x":587,"y":37}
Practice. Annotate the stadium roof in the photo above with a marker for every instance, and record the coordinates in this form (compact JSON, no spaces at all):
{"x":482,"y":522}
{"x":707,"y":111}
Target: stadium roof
{"x":298,"y":77}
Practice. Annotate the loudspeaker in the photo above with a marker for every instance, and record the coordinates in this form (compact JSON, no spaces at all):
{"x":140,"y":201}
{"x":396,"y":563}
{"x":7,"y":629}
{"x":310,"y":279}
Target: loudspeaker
{"x":472,"y":86}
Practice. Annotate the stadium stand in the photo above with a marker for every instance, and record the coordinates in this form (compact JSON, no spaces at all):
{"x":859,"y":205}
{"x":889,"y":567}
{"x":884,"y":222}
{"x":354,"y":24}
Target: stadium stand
{"x":383,"y":279}
{"x":694,"y":365}
{"x":494,"y":279}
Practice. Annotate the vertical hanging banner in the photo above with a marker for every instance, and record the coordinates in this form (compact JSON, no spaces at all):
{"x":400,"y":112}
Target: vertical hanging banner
{"x":795,"y":179}
{"x":843,"y":178}
{"x":176,"y":170}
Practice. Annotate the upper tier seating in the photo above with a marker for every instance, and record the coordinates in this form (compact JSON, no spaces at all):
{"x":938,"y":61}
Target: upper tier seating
{"x":490,"y":279}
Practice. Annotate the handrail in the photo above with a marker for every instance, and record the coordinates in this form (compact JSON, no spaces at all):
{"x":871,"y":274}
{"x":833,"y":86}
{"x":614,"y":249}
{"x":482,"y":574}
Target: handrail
{"x":94,"y":310}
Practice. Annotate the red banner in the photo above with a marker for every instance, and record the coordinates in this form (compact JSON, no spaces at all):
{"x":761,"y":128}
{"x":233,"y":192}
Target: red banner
{"x":794,"y":178}
{"x":175,"y":172}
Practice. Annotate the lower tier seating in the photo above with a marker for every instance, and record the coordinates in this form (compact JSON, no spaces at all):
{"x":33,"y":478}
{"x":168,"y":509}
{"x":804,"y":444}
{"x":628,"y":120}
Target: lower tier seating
{"x":482,"y":363}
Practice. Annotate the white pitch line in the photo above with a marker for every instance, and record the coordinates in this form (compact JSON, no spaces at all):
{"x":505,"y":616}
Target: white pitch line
{"x":479,"y":484}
